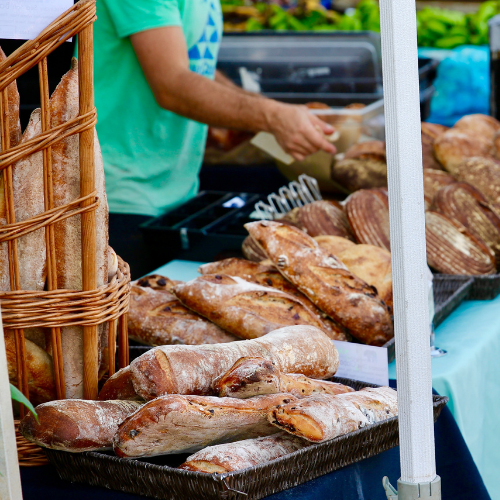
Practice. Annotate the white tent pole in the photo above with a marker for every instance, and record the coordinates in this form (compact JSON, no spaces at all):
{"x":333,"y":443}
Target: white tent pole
{"x":407,"y":222}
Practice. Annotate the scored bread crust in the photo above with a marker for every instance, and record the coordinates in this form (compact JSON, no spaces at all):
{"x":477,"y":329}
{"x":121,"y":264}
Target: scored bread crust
{"x":76,"y":425}
{"x":267,"y":275}
{"x":156,"y":317}
{"x":326,"y":281}
{"x":119,"y":386}
{"x":322,"y":417}
{"x":243,"y":454}
{"x":64,"y":104}
{"x":183,"y":424}
{"x":244,"y":309}
{"x":192,"y":369}
{"x":251,"y":250}
{"x":434,"y":180}
{"x":333,"y":244}
{"x":250,"y":377}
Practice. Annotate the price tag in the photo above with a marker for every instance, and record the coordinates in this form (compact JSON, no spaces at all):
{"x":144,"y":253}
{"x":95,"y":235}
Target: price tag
{"x":363,"y":362}
{"x":25,"y":19}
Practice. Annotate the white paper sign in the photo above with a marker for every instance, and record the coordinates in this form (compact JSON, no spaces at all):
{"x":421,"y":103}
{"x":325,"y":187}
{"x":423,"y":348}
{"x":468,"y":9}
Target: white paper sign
{"x":363,"y":362}
{"x":25,"y":19}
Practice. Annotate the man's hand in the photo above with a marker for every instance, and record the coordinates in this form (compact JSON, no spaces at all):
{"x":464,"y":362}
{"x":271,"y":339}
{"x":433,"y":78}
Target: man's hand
{"x":163,"y":56}
{"x":298,"y":131}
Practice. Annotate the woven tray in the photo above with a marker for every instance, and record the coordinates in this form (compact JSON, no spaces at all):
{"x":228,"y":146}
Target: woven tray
{"x":485,"y":287}
{"x":157,"y":477}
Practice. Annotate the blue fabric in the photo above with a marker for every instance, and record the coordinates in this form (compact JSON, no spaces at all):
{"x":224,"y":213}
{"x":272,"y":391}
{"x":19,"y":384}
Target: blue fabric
{"x":462,"y":85}
{"x":470,"y":376}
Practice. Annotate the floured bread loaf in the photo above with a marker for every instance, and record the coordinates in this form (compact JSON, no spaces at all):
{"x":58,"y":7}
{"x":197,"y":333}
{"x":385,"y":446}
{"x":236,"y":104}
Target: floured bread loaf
{"x":156,"y":282}
{"x":119,"y":386}
{"x":252,"y":251}
{"x":326,"y":281}
{"x":429,"y":133}
{"x":368,"y":213}
{"x":333,"y":244}
{"x":192,"y":369}
{"x":322,"y":417}
{"x":76,"y":425}
{"x":453,"y":250}
{"x":156,"y":317}
{"x":250,"y":377}
{"x":434,"y":180}
{"x":267,"y":275}
{"x":483,"y":127}
{"x":243,"y":454}
{"x":183,"y":424}
{"x":242,"y":308}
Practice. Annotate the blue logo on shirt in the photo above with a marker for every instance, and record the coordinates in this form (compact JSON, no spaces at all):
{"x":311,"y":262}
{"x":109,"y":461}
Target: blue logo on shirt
{"x":203,"y":54}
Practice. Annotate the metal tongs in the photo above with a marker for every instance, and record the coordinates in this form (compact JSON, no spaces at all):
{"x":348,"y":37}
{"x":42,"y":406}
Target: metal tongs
{"x":296,"y":194}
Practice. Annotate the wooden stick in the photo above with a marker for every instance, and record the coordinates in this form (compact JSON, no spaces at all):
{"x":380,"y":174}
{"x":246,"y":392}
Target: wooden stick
{"x":113,"y":326}
{"x":123,"y":359}
{"x":55,"y":333}
{"x":87,"y":186}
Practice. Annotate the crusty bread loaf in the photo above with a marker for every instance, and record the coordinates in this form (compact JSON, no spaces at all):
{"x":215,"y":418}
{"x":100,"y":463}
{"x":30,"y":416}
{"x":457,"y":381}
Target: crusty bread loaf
{"x":333,"y":244}
{"x":360,"y":173}
{"x":119,"y":386}
{"x":434,"y":180}
{"x":322,"y":417}
{"x":466,"y":205}
{"x":183,"y":424}
{"x":373,"y":265}
{"x":267,"y":275}
{"x":112,"y":264}
{"x":368,"y":214}
{"x":157,"y":282}
{"x":455,"y":146}
{"x":76,"y":425}
{"x":156,"y":317}
{"x":192,"y":369}
{"x":40,"y":369}
{"x":429,"y":134}
{"x":250,"y":377}
{"x":243,"y":454}
{"x":66,"y":172}
{"x":244,"y":309}
{"x":453,"y":250}
{"x":433,"y":129}
{"x":477,"y":125}
{"x":251,"y":250}
{"x":368,"y":150}
{"x":353,"y":303}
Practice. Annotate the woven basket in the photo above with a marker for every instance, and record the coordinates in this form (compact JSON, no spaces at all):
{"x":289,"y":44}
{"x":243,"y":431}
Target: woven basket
{"x":158,"y":477}
{"x":54,"y":309}
{"x":484,"y":287}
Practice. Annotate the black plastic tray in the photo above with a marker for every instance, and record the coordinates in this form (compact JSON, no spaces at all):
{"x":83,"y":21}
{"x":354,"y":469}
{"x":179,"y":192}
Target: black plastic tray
{"x":484,"y":287}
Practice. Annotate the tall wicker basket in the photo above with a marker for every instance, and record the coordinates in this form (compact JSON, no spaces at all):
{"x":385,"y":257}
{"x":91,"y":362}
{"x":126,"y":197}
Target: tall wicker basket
{"x":54,"y":309}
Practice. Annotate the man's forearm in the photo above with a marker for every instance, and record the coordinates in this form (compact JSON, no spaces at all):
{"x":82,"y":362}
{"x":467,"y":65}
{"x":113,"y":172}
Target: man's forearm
{"x":224,"y":80}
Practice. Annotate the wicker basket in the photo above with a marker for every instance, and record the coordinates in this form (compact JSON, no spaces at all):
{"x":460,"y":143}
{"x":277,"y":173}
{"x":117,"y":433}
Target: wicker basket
{"x":484,"y":287}
{"x":158,"y":478}
{"x":54,"y":309}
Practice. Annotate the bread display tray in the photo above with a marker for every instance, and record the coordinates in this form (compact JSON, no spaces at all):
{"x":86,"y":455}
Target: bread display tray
{"x":485,"y":287}
{"x":158,"y":478}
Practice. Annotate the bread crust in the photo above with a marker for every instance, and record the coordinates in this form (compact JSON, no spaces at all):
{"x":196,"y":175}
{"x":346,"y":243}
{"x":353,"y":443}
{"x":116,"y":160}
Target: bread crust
{"x":156,"y":317}
{"x":326,"y":281}
{"x":192,"y":369}
{"x":76,"y":425}
{"x":333,"y":244}
{"x":119,"y":387}
{"x":322,"y":417}
{"x":184,"y":424}
{"x":434,"y":180}
{"x":252,"y":251}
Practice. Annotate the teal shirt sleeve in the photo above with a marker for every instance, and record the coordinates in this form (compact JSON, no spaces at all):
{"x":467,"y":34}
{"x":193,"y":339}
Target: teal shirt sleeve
{"x":133,"y":16}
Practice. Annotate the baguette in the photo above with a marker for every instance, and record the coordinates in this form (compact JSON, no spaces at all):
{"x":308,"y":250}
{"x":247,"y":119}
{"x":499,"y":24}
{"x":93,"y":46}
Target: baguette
{"x":66,"y":171}
{"x":76,"y":425}
{"x":192,"y":369}
{"x":157,"y":282}
{"x":322,"y":417}
{"x":266,"y":274}
{"x":243,"y":454}
{"x":184,"y":424}
{"x":334,"y":244}
{"x":251,"y":250}
{"x":119,"y":386}
{"x":250,"y":377}
{"x":326,"y":281}
{"x":156,"y":317}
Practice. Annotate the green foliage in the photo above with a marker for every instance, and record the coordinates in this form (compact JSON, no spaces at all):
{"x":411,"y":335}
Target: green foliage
{"x":18,"y":396}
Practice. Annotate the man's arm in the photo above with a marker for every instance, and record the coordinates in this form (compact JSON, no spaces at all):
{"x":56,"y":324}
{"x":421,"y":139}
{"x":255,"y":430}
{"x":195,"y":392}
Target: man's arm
{"x":162,"y":53}
{"x":224,"y":80}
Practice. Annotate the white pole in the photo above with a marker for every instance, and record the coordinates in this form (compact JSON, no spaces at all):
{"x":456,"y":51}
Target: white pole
{"x":406,"y":207}
{"x":10,"y":480}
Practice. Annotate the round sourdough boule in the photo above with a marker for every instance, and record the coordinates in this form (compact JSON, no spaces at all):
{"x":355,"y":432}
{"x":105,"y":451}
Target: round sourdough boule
{"x":333,"y":244}
{"x":368,"y":214}
{"x":252,"y":251}
{"x":360,"y":173}
{"x":434,"y":180}
{"x":455,"y":146}
{"x":467,"y":206}
{"x":452,"y":250}
{"x":429,"y":132}
{"x":373,"y":150}
{"x":433,"y":130}
{"x":478,"y":125}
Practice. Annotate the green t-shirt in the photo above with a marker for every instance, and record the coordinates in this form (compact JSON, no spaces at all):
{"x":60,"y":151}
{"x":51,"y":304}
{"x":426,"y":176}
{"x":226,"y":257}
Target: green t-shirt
{"x":152,"y":157}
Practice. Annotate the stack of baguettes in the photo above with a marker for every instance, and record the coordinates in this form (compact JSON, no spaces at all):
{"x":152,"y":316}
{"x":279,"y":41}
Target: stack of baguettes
{"x":28,"y":188}
{"x":234,"y":405}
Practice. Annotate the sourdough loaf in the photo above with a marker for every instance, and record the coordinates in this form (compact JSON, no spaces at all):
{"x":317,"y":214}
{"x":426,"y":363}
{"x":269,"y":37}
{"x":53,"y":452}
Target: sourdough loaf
{"x":434,"y":180}
{"x":119,"y":386}
{"x":183,"y":424}
{"x":326,"y":281}
{"x":483,"y":127}
{"x":250,"y":377}
{"x":192,"y":369}
{"x":429,"y":132}
{"x":244,"y":309}
{"x":156,"y":282}
{"x":243,"y":454}
{"x":322,"y":417}
{"x":156,"y":317}
{"x":333,"y":244}
{"x":76,"y":425}
{"x":252,"y":251}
